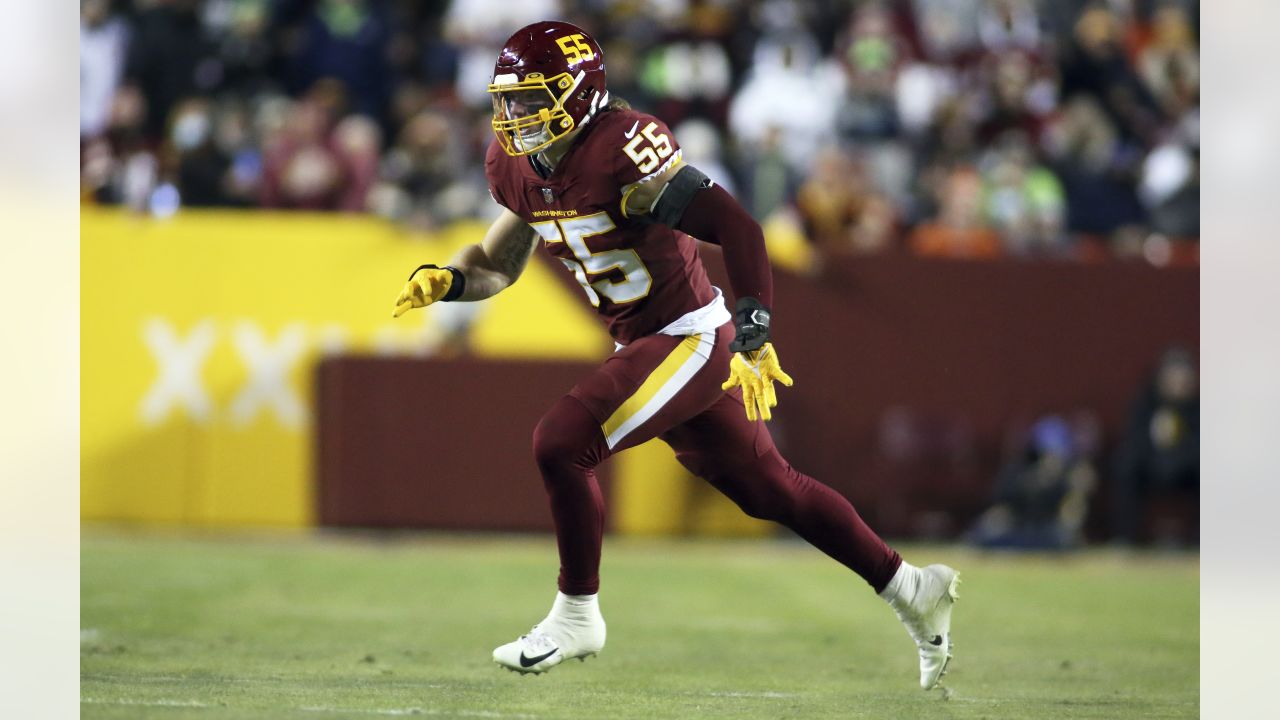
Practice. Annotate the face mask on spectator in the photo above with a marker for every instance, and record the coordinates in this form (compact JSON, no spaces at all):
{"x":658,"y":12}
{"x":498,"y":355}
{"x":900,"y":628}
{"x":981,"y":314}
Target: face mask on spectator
{"x":190,"y":130}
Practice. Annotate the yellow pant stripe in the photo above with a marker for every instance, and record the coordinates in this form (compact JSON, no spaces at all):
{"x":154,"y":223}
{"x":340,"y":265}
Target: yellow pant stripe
{"x":675,"y":369}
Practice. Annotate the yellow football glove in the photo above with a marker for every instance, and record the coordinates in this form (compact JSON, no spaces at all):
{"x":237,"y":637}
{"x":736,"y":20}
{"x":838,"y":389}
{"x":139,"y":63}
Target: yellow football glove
{"x":755,"y":372}
{"x":426,"y":285}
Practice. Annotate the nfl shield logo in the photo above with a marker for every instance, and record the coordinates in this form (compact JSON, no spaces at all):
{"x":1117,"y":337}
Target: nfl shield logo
{"x":546,"y":195}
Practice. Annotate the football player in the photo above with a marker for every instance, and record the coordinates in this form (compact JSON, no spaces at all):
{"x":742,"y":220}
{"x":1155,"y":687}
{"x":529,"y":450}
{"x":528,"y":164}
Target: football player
{"x":604,"y":190}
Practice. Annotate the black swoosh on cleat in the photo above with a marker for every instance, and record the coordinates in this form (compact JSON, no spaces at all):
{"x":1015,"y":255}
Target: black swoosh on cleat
{"x":937,"y":640}
{"x":530,"y":662}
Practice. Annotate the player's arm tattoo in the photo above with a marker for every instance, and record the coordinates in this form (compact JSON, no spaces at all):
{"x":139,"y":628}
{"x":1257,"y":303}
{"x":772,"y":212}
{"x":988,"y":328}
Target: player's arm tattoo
{"x":492,"y":265}
{"x":513,"y":254}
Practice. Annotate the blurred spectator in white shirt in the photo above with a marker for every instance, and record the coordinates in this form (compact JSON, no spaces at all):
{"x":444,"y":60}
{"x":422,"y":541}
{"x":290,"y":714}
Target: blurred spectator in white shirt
{"x":1009,"y":25}
{"x":478,"y":28}
{"x":790,"y":91}
{"x":948,"y":28}
{"x":701,"y":147}
{"x":104,"y":39}
{"x":1170,"y":190}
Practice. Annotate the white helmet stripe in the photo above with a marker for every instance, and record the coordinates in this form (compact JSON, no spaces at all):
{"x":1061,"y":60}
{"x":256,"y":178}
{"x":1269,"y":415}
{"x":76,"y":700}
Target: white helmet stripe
{"x":598,"y":102}
{"x":576,"y":82}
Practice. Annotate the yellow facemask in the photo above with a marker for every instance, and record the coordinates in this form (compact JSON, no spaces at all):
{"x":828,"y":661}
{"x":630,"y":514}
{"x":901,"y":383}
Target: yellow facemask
{"x":529,"y":114}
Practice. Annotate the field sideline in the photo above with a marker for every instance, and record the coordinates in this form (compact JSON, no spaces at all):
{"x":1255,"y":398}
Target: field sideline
{"x":316,"y":625}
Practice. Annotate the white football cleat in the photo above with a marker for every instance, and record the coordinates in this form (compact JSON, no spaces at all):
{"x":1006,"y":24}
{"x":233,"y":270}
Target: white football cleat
{"x":926,"y":613}
{"x":573,"y":629}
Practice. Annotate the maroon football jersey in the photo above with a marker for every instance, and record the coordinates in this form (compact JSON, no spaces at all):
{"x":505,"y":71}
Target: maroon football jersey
{"x":639,"y":275}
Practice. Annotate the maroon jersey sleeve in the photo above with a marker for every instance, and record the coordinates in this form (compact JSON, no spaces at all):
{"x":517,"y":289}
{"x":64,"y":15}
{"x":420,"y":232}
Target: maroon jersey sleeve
{"x":646,"y":147}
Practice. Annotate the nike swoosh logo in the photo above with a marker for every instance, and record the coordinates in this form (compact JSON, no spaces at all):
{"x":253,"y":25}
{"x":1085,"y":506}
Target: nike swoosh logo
{"x":937,"y":640}
{"x":530,"y":662}
{"x":629,"y":135}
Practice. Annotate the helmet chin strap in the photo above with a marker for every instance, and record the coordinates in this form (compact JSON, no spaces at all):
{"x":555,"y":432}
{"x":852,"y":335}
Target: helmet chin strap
{"x":598,"y":102}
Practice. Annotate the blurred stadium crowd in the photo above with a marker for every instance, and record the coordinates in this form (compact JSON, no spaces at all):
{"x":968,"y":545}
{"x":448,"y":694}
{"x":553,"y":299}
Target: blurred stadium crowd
{"x":959,"y":128}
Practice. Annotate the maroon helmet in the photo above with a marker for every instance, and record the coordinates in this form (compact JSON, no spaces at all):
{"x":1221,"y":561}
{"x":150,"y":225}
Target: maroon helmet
{"x":549,"y":80}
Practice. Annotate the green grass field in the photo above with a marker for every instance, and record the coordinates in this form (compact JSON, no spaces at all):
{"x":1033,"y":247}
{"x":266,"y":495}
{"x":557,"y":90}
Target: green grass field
{"x":315,"y":626}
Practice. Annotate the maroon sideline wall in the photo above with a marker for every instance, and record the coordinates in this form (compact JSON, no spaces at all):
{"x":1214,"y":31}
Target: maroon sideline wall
{"x":433,"y":443}
{"x":909,"y":375}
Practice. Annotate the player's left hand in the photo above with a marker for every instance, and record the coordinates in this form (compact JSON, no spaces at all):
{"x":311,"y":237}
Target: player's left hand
{"x":428,"y":284}
{"x":755,"y":372}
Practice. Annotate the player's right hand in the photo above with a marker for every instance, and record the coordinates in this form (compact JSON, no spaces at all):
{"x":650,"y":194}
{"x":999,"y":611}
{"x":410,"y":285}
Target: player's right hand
{"x":426,"y":285}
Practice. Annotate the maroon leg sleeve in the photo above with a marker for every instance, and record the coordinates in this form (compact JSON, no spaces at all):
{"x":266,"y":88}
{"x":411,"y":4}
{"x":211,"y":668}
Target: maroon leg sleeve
{"x":568,"y":445}
{"x":738,"y":458}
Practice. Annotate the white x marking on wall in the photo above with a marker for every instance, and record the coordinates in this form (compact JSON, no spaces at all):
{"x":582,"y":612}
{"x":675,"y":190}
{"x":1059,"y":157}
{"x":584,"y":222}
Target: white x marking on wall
{"x":179,"y":383}
{"x":268,"y":365}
